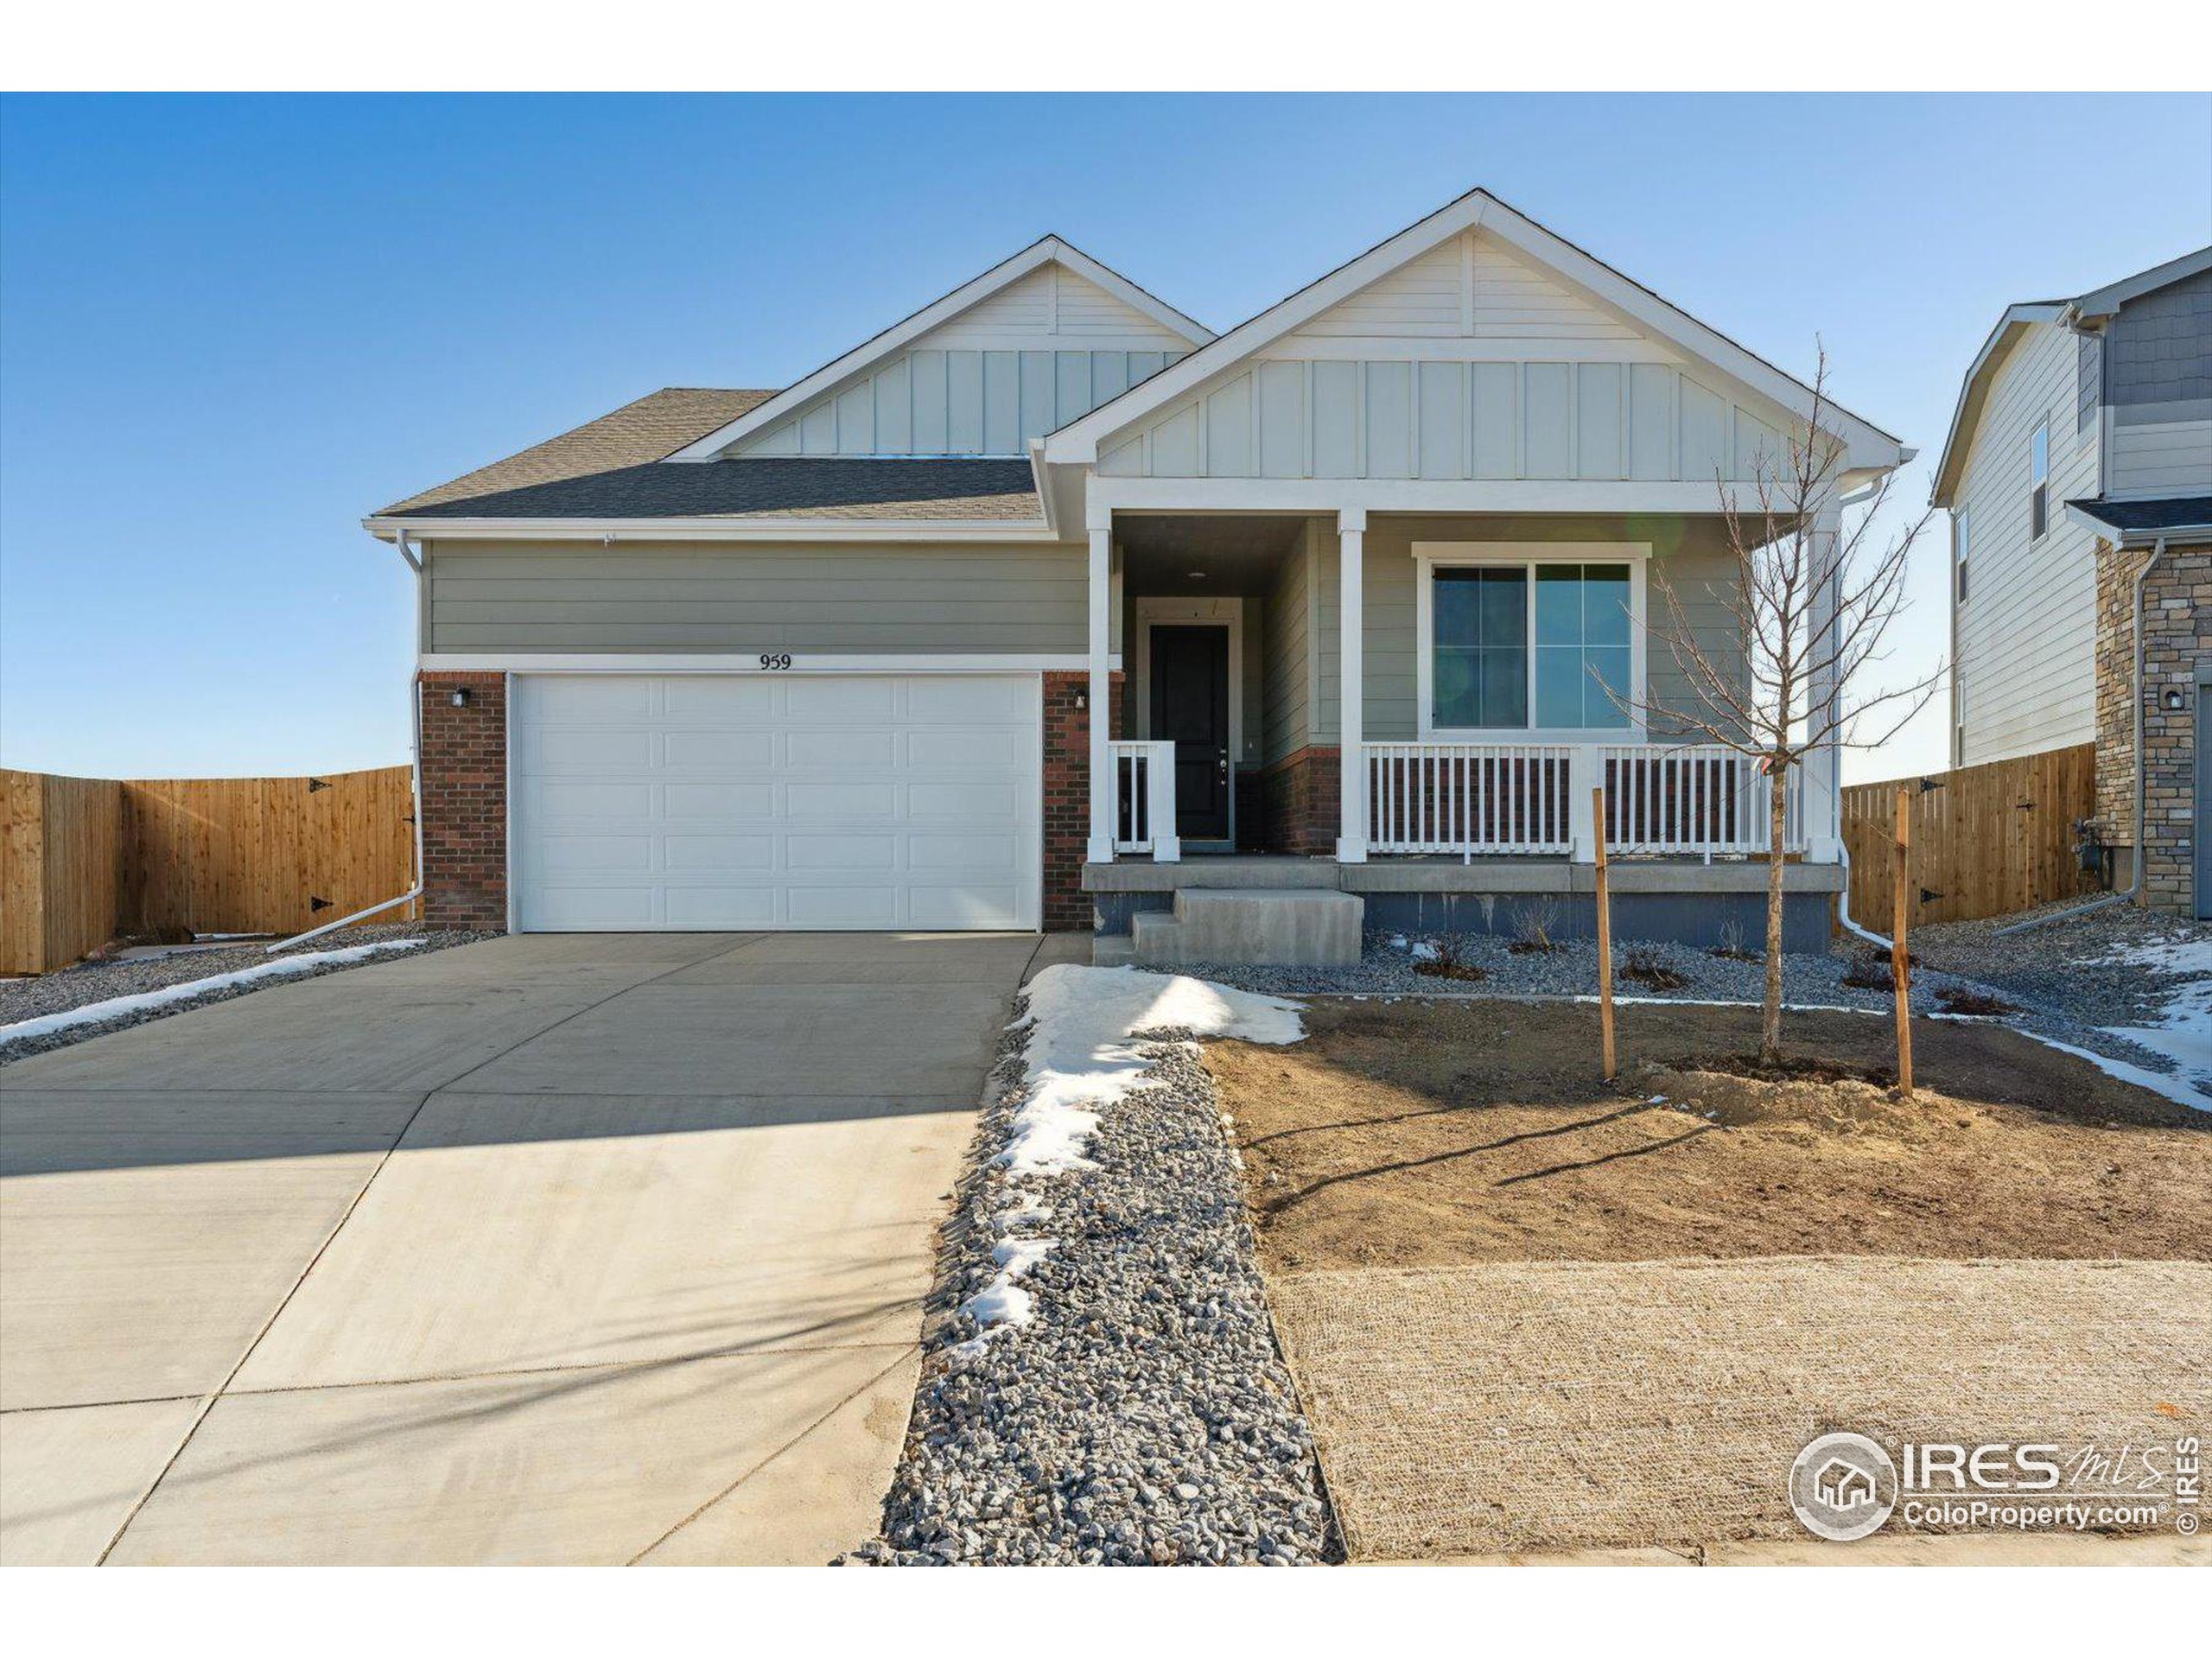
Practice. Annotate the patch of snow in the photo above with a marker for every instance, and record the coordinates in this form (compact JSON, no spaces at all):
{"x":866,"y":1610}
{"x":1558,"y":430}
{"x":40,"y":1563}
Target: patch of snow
{"x":2180,"y":1090}
{"x":1426,"y":952}
{"x":117,"y":1008}
{"x":2183,"y":1035}
{"x":1080,"y":1056}
{"x":2176,"y":953}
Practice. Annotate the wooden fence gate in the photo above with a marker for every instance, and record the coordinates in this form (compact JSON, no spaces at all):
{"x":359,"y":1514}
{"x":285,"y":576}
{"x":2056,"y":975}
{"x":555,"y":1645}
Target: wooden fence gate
{"x":1986,"y":840}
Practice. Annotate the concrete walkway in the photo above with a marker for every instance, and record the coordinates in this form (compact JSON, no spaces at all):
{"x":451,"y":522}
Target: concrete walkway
{"x":556,"y":1248}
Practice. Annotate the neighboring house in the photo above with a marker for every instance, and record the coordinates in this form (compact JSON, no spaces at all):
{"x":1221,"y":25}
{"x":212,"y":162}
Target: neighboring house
{"x":2080,"y":457}
{"x":1354,"y":579}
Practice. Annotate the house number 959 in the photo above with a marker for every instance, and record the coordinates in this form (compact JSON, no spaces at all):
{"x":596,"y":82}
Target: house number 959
{"x":774,"y":662}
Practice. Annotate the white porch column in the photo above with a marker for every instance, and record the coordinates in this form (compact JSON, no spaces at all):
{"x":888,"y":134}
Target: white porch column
{"x":1823,"y":779}
{"x":1351,"y":769}
{"x":1100,"y":850}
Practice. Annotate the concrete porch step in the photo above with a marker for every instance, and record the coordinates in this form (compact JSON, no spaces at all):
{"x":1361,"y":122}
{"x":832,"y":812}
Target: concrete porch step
{"x":1301,"y":927}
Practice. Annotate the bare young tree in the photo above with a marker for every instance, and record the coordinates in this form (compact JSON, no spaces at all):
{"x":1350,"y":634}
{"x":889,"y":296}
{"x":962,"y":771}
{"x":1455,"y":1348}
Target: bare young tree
{"x":1809,"y":610}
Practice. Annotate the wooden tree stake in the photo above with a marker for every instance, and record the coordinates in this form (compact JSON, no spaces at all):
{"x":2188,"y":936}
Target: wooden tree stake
{"x":1604,"y":936}
{"x":1900,"y":957}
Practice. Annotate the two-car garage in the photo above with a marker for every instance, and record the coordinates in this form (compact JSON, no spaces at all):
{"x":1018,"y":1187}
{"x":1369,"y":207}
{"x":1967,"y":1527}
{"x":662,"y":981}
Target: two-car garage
{"x":775,"y":800}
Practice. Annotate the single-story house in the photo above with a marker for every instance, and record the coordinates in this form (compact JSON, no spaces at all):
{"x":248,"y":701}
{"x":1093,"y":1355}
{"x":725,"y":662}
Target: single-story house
{"x":1047,"y":603}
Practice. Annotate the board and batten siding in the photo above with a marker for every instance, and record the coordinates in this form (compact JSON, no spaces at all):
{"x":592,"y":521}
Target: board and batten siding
{"x":1466,"y":363}
{"x":1028,"y":359}
{"x":743,"y":597}
{"x":2026,"y":636}
{"x":1390,"y":417}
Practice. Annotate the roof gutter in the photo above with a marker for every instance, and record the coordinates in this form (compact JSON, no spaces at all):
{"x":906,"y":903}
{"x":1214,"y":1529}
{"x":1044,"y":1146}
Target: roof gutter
{"x":414,"y":780}
{"x":2135,"y":876}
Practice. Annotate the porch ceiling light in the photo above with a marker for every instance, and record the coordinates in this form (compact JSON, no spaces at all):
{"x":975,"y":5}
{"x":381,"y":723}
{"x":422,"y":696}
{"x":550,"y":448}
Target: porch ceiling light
{"x":1196,"y":576}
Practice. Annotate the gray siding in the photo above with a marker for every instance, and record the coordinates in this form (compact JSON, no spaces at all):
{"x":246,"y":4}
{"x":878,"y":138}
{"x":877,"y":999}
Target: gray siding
{"x":682,"y":596}
{"x":1285,"y":668}
{"x":1693,"y":556}
{"x":2159,"y":353}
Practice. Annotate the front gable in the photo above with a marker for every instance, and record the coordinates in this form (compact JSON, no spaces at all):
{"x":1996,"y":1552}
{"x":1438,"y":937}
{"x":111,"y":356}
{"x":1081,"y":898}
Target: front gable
{"x":1030,"y":345}
{"x":1474,"y":346}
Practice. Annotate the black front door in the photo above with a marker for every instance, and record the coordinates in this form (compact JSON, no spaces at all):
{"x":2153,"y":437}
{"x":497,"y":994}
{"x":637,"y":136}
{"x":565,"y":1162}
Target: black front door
{"x":1190,"y":708}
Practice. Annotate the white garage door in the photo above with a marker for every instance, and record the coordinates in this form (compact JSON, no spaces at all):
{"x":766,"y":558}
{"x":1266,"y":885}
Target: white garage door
{"x":776,"y":801}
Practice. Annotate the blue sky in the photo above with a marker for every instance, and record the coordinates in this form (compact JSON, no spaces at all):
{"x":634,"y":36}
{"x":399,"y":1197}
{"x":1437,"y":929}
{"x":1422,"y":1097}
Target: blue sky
{"x":229,"y":327}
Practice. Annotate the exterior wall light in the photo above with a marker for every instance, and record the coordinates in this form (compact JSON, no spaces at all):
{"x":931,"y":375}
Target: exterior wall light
{"x":460,"y":696}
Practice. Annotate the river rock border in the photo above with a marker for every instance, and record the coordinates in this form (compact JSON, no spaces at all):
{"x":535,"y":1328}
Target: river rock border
{"x":1141,"y":1412}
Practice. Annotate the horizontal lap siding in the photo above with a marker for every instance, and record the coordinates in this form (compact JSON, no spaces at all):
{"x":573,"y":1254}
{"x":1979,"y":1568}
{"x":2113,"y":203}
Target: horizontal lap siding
{"x":1285,"y":642}
{"x":676,"y":596}
{"x":2027,"y":632}
{"x":1692,"y":555}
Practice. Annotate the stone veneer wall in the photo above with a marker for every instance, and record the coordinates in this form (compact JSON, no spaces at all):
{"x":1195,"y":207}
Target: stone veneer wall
{"x":1301,"y":793}
{"x":1067,"y":797}
{"x":2177,"y":628}
{"x":464,"y":800}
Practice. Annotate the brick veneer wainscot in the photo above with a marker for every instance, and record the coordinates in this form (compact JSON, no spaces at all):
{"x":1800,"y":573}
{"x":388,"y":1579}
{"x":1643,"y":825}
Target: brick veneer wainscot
{"x":2177,"y":633}
{"x":1067,"y":797}
{"x":1301,"y":791}
{"x":464,"y":800}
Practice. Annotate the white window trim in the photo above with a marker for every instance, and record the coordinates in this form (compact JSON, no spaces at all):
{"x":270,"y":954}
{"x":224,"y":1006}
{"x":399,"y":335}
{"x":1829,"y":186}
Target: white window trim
{"x":2041,"y":428}
{"x":1430,"y":556}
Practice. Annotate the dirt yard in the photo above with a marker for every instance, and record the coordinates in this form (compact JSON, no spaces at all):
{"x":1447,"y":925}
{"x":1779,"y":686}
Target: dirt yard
{"x":1429,"y":1133}
{"x":1528,"y":1312}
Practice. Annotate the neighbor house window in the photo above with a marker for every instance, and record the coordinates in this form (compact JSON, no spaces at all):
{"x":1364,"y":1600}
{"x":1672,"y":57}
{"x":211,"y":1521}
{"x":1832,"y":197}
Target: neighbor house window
{"x":2039,"y":481}
{"x":1960,"y":522}
{"x":1530,"y":646}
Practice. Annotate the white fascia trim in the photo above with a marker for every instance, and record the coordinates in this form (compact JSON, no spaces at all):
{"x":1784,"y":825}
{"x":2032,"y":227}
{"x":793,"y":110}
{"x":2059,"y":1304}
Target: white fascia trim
{"x":1046,"y":250}
{"x":1373,"y":495}
{"x":801,"y":662}
{"x":1974,"y":391}
{"x":2103,"y":301}
{"x":710,"y":530}
{"x":1078,"y":443}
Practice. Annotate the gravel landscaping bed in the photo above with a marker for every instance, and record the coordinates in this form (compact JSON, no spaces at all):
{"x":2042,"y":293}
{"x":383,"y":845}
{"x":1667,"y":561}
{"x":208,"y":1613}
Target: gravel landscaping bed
{"x":97,"y":981}
{"x":1142,"y":1412}
{"x":2069,"y":969}
{"x":2038,"y":974}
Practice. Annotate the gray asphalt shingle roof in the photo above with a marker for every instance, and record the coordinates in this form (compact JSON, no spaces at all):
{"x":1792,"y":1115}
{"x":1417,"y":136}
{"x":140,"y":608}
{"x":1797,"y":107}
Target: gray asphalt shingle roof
{"x":2166,"y":512}
{"x":779,"y":486}
{"x":612,"y":468}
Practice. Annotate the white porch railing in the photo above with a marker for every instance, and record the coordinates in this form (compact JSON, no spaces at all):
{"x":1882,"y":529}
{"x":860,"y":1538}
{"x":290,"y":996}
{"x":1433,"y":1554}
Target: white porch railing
{"x":1701,"y":798}
{"x":1470,"y":798}
{"x":1144,"y":800}
{"x":1534,"y":798}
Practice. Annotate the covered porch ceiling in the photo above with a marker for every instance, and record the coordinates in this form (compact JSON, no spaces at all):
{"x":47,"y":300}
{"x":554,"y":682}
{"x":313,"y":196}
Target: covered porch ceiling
{"x":1227,"y":555}
{"x":1221,"y":556}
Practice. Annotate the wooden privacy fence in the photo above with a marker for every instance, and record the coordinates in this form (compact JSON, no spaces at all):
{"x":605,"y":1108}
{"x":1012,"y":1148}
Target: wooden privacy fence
{"x":85,"y":860}
{"x":1986,"y":840}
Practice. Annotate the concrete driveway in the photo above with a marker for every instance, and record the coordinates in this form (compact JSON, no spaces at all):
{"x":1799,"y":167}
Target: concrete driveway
{"x":556,"y":1249}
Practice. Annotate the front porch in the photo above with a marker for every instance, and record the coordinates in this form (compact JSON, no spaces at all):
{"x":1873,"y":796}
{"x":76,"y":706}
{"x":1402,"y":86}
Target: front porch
{"x":1297,"y":717}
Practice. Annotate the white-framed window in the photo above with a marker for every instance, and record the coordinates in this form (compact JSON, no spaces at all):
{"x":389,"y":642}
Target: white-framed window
{"x":1526,"y":638}
{"x":2039,"y":481}
{"x":1961,"y":527}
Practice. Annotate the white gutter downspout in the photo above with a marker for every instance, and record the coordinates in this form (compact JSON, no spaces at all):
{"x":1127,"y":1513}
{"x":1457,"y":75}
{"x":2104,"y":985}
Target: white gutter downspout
{"x":414,"y":768}
{"x":2135,"y":878}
